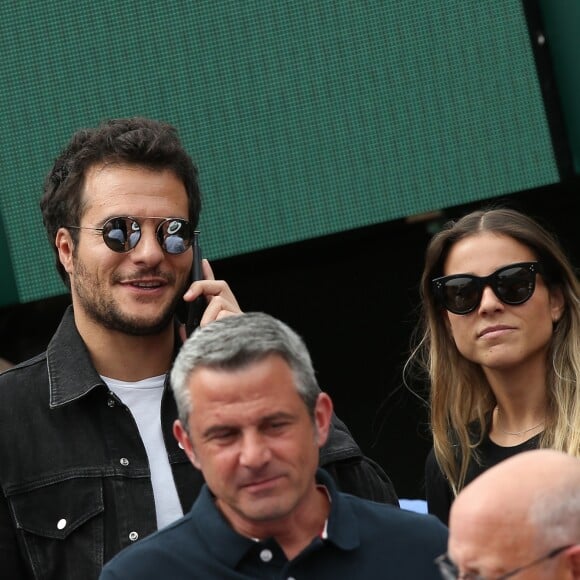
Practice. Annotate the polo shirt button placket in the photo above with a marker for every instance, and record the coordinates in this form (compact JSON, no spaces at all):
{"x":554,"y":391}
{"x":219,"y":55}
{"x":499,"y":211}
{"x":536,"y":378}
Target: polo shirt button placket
{"x":266,"y":555}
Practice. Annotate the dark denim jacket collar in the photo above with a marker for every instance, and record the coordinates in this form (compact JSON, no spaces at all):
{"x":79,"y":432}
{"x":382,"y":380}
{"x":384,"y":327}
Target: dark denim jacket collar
{"x":71,"y":373}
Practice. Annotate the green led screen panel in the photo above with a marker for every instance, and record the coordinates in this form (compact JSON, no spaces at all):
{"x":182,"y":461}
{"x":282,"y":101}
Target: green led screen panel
{"x":562,"y":26}
{"x":305,"y":117}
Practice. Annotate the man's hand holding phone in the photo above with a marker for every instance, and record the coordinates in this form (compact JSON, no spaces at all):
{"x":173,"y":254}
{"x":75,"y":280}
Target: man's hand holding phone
{"x":207,"y":299}
{"x":219,"y":296}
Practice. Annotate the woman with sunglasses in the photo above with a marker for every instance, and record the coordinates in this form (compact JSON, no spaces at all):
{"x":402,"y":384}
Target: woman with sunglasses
{"x":501,"y":345}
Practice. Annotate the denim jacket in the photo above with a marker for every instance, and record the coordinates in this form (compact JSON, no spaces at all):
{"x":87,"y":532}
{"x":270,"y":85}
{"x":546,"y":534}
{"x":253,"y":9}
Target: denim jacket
{"x":74,"y":476}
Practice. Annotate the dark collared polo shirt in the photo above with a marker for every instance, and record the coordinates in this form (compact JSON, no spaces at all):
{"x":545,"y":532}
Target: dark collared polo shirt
{"x":365,"y":540}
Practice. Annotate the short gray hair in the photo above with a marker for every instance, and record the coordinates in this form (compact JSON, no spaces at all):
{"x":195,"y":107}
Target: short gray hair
{"x":235,"y":342}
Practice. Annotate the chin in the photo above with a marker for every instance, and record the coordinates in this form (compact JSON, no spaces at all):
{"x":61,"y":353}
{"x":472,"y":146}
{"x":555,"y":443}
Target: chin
{"x":137,"y":325}
{"x":148,"y":327}
{"x":502,"y":364}
{"x":147,"y":320}
{"x":271,"y":511}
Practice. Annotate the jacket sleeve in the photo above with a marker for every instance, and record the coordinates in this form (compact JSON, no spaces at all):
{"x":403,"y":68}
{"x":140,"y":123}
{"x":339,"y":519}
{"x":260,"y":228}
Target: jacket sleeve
{"x":352,"y":471}
{"x":437,"y":489}
{"x":10,"y":560}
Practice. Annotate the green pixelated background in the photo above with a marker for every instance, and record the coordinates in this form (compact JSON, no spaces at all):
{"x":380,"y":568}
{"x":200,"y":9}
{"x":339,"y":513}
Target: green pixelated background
{"x":305,"y":117}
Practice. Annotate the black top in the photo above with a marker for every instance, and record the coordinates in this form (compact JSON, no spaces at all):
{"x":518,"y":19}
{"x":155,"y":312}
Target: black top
{"x":438,"y":491}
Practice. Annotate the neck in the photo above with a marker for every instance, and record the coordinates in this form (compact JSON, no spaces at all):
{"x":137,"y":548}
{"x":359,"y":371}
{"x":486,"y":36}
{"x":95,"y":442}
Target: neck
{"x":126,"y":357}
{"x":293,"y":532}
{"x":521,"y":403}
{"x":533,"y":425}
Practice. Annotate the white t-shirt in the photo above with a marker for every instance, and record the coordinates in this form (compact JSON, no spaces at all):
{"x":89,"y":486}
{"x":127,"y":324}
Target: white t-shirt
{"x":144,"y":401}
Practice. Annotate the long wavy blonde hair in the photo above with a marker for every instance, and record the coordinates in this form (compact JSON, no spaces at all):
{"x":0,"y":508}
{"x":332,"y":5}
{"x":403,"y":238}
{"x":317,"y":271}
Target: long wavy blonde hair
{"x":460,"y":395}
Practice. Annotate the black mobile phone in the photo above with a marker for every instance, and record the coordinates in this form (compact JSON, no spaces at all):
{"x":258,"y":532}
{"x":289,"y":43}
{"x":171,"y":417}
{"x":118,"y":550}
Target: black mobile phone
{"x":196,"y":308}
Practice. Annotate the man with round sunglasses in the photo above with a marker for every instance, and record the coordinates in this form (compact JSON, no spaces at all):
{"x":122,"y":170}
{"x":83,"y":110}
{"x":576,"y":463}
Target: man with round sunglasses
{"x":499,"y":337}
{"x":520,"y":519}
{"x":88,"y":461}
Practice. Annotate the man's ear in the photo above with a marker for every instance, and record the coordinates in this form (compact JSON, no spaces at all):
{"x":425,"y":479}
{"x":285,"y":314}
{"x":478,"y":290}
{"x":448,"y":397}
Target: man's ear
{"x":573,"y":557}
{"x":322,"y":418}
{"x":65,"y":247}
{"x":184,"y":440}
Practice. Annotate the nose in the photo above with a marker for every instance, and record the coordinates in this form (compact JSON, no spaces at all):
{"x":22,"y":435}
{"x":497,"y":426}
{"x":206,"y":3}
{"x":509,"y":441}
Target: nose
{"x":147,"y":252}
{"x":489,"y":301}
{"x":254,"y":452}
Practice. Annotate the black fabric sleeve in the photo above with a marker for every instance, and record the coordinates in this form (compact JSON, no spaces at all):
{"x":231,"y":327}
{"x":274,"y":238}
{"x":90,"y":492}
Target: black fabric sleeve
{"x":437,"y":489}
{"x":364,"y":478}
{"x":11,"y":564}
{"x":352,"y":471}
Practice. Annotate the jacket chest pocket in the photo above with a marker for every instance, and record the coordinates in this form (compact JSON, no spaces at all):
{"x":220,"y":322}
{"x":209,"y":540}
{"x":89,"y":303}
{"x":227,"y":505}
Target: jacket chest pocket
{"x":61,"y":528}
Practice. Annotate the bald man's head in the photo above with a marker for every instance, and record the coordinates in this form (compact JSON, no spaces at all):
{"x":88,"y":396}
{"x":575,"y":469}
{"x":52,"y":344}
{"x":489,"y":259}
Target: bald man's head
{"x":517,"y":512}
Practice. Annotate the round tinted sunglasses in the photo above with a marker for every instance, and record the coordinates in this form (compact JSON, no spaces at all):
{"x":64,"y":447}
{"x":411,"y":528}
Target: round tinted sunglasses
{"x":512,"y":284}
{"x":122,"y":234}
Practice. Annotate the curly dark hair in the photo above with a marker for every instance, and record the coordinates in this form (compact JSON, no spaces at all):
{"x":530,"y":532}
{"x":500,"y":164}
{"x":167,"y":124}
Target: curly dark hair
{"x":135,"y":141}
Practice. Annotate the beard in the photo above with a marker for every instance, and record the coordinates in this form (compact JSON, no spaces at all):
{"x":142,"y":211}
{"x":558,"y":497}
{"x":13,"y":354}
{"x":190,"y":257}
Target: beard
{"x":95,"y":299}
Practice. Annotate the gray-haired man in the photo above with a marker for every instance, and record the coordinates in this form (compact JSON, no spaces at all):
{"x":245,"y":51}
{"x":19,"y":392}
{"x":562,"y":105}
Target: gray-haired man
{"x":252,"y":418}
